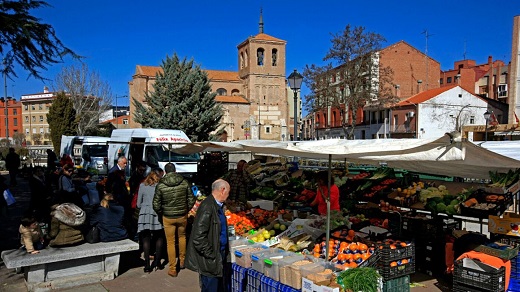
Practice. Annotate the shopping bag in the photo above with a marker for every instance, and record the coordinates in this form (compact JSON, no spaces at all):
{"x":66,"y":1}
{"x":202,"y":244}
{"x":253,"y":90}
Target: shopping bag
{"x":9,"y":197}
{"x":92,"y":235}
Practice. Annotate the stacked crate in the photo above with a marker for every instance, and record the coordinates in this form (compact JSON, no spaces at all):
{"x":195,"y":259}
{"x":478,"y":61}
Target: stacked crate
{"x":483,"y":278}
{"x":396,"y":262}
{"x":401,"y":284}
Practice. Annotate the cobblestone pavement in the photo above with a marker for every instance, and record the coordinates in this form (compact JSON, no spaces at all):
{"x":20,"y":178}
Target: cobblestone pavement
{"x":131,"y":276}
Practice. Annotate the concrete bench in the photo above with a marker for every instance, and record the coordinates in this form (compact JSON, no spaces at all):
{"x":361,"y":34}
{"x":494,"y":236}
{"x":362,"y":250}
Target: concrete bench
{"x":55,"y":268}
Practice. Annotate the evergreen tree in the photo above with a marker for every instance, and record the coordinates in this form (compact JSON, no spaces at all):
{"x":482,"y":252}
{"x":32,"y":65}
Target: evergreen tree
{"x":61,"y":119}
{"x":181,"y":99}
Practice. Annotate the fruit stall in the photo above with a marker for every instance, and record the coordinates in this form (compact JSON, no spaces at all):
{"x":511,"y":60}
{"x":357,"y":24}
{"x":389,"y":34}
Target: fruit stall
{"x":389,"y":226}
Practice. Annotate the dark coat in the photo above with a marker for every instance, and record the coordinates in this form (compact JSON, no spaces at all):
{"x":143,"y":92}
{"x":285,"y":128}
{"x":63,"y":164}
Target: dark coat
{"x":173,"y":196}
{"x":203,"y":249}
{"x":109,"y":222}
{"x":66,"y":225}
{"x":12,"y":161}
{"x":116,"y":185}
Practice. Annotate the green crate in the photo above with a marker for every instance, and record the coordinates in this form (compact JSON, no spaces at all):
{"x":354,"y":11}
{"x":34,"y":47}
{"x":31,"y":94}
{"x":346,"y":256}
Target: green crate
{"x":506,"y":254}
{"x":401,"y":284}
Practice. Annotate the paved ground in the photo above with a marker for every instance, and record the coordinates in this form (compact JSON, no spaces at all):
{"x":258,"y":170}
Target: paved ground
{"x":131,"y":276}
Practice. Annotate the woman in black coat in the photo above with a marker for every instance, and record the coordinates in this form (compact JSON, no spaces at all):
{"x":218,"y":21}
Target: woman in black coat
{"x":108,"y":217}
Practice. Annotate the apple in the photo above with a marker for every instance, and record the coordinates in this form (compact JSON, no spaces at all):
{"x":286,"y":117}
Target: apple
{"x":283,"y":227}
{"x":276,"y":226}
{"x":272,"y":232}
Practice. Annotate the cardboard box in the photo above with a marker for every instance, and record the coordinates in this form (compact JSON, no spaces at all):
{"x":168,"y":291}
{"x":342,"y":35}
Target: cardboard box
{"x":309,"y":286}
{"x":509,"y":224}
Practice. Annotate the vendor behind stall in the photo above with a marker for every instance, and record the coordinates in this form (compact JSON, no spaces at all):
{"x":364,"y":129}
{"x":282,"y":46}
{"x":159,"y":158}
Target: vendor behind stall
{"x":240,"y":181}
{"x":322,"y":193}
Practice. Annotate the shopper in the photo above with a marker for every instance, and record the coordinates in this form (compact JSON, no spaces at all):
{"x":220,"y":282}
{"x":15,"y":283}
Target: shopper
{"x":67,"y":192}
{"x":31,"y":236}
{"x":12,"y":163}
{"x":173,"y":199}
{"x":149,"y":228}
{"x":322,"y":193}
{"x":240,"y":181}
{"x":208,"y":248}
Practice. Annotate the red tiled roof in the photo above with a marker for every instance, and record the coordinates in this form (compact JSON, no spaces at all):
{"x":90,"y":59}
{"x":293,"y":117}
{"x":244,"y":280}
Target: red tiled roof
{"x":425,"y":95}
{"x":230,"y":99}
{"x":266,"y":37}
{"x":212,"y":74}
{"x":222,"y":75}
{"x":119,"y":120}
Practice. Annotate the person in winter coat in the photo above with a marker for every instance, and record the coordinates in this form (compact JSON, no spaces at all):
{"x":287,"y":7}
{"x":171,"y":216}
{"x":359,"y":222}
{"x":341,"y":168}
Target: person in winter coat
{"x":31,"y":236}
{"x":172,"y":200}
{"x":108,"y":217}
{"x":41,"y":195}
{"x":66,"y":225}
{"x":12,"y":163}
{"x":208,"y":248}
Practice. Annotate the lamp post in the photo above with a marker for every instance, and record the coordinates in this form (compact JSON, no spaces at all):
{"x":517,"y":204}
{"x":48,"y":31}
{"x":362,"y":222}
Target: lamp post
{"x":487,"y":114}
{"x":5,"y":99}
{"x":295,"y":83}
{"x":117,"y":110}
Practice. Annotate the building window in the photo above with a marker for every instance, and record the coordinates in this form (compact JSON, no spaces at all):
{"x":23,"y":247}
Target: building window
{"x":34,"y":130}
{"x":235,"y":92}
{"x":448,"y":80}
{"x":267,"y":130}
{"x":26,"y":107}
{"x":221,"y":91}
{"x":41,"y":118}
{"x":441,"y":81}
{"x":15,"y":122}
{"x":502,"y":90}
{"x":260,"y":57}
{"x":26,"y":119}
{"x":41,"y":130}
{"x":40,"y":106}
{"x":26,"y":131}
{"x":274,"y":56}
{"x":396,"y":122}
{"x":33,"y":107}
{"x":241,"y":60}
{"x":34,"y":118}
{"x":125,"y":121}
{"x":48,"y":130}
{"x":15,"y":112}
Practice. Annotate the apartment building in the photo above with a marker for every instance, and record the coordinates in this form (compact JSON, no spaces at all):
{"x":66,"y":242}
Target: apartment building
{"x":34,"y":111}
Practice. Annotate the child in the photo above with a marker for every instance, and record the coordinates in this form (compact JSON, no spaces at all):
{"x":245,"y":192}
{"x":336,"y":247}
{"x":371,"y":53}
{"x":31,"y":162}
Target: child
{"x":31,"y":235}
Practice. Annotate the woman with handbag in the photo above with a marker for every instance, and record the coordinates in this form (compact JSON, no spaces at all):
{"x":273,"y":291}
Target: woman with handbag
{"x":108,"y":217}
{"x":149,"y":228}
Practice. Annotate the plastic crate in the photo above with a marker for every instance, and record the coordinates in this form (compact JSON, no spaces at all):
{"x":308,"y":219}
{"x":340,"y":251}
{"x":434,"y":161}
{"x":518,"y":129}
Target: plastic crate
{"x":296,"y":272}
{"x":506,"y":254}
{"x":287,"y":288}
{"x":272,"y":265}
{"x":388,"y":255}
{"x":253,"y":280}
{"x":284,"y":271}
{"x":236,"y":244}
{"x":269,"y":285}
{"x":389,"y":273}
{"x":258,"y":259}
{"x":489,"y":279}
{"x":238,"y":278}
{"x":514,"y":285}
{"x":401,"y":284}
{"x":243,"y":254}
{"x":457,"y":287}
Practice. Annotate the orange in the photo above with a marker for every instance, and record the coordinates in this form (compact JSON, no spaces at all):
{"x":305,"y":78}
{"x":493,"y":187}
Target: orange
{"x":365,"y":256}
{"x":393,"y":264}
{"x":352,"y":265}
{"x":362,"y":247}
{"x":404,"y":261}
{"x":351,"y":233}
{"x":353,"y":246}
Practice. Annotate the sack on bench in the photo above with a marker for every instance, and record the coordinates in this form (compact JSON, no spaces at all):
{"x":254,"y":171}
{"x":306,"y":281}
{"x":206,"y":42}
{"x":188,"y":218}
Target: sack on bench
{"x":92,"y":235}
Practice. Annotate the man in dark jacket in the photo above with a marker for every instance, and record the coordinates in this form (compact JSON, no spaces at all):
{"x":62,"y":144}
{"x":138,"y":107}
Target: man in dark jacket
{"x":12,"y":163}
{"x":208,"y":249}
{"x":172,"y":201}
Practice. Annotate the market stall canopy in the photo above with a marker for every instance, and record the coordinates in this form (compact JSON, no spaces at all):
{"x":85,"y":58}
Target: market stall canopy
{"x":443,"y":156}
{"x":510,"y":149}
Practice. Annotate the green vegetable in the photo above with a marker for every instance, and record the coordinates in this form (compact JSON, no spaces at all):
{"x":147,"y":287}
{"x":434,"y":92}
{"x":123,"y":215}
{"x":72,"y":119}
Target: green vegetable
{"x":359,"y":279}
{"x":441,"y":208}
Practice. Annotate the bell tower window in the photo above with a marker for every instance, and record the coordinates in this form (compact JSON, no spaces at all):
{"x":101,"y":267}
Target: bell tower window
{"x":274,"y":57}
{"x":260,"y":57}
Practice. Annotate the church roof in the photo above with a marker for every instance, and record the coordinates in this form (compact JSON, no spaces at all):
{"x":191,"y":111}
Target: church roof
{"x":266,"y":37}
{"x":212,"y":74}
{"x":231,"y":99}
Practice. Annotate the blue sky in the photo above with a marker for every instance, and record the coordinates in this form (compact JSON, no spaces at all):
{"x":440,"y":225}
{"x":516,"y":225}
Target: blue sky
{"x":116,"y":35}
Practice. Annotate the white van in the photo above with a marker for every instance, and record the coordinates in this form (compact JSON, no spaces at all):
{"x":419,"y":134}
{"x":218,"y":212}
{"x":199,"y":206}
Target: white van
{"x":152,"y":146}
{"x":87,"y":151}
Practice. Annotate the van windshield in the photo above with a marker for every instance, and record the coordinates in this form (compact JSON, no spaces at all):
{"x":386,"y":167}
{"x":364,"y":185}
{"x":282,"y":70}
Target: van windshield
{"x":96,"y":150}
{"x":162,"y":155}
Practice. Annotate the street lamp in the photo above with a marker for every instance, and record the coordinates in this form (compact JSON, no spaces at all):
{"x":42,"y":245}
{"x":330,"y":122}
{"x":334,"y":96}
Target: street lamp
{"x":487,"y":114}
{"x":117,"y":110}
{"x":295,"y":83}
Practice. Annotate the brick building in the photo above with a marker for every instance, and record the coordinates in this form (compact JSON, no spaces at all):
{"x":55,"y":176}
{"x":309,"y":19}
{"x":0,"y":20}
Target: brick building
{"x":254,"y":98}
{"x":414,"y":72}
{"x":14,"y":116}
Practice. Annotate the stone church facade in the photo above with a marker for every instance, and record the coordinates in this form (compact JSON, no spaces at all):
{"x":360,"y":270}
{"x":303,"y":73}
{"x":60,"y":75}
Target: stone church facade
{"x":254,"y":98}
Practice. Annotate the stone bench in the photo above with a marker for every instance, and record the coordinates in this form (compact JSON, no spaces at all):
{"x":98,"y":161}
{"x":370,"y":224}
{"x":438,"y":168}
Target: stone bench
{"x":62,"y":267}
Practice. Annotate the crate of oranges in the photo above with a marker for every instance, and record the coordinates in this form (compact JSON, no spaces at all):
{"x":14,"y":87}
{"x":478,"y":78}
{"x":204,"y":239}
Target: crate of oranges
{"x":394,"y":250}
{"x":347,"y":254}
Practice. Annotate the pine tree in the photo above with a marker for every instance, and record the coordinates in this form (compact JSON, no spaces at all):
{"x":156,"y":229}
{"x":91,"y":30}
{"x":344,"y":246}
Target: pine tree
{"x":181,"y":100}
{"x":61,"y":119}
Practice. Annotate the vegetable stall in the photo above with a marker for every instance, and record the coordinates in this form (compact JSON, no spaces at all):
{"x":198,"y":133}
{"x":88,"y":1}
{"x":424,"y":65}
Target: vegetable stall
{"x":443,"y":156}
